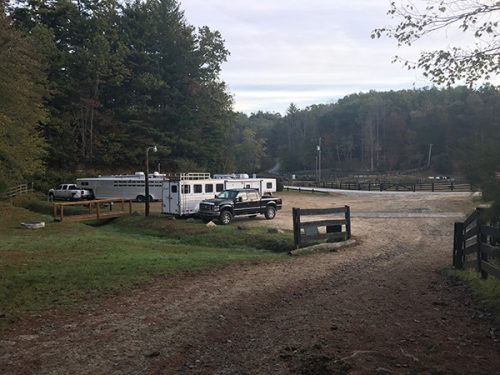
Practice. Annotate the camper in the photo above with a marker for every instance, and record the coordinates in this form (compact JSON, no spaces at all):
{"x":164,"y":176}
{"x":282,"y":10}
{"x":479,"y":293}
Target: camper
{"x":182,"y":196}
{"x":124,"y":186}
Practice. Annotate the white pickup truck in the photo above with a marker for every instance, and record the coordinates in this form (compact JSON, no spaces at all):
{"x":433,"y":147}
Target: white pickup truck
{"x":70,"y":192}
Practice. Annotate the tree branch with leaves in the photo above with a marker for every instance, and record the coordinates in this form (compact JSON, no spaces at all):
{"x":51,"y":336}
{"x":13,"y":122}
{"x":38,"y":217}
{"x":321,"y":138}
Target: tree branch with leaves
{"x":479,"y":19}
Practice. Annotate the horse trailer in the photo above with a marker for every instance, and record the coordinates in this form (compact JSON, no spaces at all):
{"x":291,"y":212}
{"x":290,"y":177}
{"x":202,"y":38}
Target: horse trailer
{"x":182,"y":196}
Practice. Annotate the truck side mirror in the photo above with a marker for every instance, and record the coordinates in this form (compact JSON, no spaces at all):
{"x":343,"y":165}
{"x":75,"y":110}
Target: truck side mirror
{"x":215,"y":196}
{"x":240,"y":199}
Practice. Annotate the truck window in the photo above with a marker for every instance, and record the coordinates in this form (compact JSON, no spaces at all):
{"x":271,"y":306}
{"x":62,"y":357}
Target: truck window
{"x":173,"y":188}
{"x":59,"y":187}
{"x":243,"y":197}
{"x":219,"y":188}
{"x":253,"y":196}
{"x":197,"y":188}
{"x":269,"y":185}
{"x":209,"y":188}
{"x":186,"y":189}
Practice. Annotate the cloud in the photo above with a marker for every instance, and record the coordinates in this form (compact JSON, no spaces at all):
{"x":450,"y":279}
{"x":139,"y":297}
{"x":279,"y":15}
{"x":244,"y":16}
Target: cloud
{"x":284,"y":50}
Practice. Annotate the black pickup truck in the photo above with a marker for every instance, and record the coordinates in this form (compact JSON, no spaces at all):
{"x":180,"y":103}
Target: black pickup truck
{"x":238,"y":202}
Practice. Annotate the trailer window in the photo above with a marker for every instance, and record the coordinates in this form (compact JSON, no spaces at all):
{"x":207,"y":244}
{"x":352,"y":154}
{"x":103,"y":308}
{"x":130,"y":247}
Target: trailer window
{"x":173,"y":188}
{"x":186,"y":189}
{"x":209,"y":188}
{"x":84,"y":183}
{"x":197,"y":188}
{"x":247,"y":186}
{"x":269,"y":185}
{"x":219,"y":187}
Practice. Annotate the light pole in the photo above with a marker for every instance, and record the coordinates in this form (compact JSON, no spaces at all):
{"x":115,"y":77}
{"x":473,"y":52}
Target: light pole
{"x":146,"y":179}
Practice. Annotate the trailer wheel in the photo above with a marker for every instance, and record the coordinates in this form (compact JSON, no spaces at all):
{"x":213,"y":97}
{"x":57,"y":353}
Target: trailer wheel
{"x":270,"y":212}
{"x":225,"y":217}
{"x":140,"y":198}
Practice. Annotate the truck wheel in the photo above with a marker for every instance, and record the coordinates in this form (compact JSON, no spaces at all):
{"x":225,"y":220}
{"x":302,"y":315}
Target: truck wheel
{"x":270,"y":212}
{"x":51,"y":196}
{"x":140,"y":198}
{"x":225,"y":217}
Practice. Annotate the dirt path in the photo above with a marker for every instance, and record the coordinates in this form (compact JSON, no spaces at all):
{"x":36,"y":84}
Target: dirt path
{"x":379,"y":307}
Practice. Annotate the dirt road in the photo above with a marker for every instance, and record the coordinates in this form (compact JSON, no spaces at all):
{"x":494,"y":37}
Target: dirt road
{"x":378,"y":307}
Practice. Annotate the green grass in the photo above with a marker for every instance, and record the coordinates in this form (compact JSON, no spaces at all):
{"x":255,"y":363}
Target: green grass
{"x":67,"y":263}
{"x":486,"y":292}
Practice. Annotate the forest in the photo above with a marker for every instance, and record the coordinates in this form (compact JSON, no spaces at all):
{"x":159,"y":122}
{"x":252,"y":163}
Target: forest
{"x":86,"y":86}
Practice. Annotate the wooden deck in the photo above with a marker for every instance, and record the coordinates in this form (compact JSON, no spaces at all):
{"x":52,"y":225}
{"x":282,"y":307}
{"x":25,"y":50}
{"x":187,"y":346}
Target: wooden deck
{"x":99,"y":209}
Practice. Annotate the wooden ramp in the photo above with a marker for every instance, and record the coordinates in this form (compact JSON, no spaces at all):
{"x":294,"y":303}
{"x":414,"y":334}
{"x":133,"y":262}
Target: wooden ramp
{"x":98,"y":209}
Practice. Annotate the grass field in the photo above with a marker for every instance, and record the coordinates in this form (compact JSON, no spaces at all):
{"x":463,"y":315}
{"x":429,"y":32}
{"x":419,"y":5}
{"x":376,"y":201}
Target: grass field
{"x":67,"y":263}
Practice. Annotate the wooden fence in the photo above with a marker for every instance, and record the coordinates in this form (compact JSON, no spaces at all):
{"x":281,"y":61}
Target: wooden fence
{"x":308,"y":231}
{"x":99,"y":209}
{"x":432,"y":186}
{"x":476,"y":245}
{"x":18,"y":190}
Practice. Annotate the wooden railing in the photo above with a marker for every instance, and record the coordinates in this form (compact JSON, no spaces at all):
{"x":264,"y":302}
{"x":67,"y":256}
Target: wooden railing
{"x":18,"y":190}
{"x":434,"y":186}
{"x":477,"y":245}
{"x":307,"y":231}
{"x":99,"y":209}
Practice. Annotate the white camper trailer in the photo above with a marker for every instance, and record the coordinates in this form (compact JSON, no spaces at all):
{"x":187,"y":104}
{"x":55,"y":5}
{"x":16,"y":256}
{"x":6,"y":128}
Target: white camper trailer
{"x":183,"y":196}
{"x":124,"y":186}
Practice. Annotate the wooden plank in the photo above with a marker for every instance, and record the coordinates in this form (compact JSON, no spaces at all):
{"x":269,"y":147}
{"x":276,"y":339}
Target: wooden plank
{"x":322,"y":211}
{"x":490,"y":231}
{"x":324,"y":236}
{"x":322,"y":223}
{"x":470,"y":219}
{"x":470,"y":264}
{"x":88,"y":217}
{"x":490,"y":269}
{"x":492,"y":251}
{"x":471,"y":233}
{"x":470,"y":249}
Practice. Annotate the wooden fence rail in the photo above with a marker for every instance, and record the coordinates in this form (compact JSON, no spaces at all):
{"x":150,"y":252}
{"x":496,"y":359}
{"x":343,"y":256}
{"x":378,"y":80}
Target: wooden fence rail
{"x":476,"y":245}
{"x":308,"y":231}
{"x":441,"y":186}
{"x":99,"y":209}
{"x":18,"y":190}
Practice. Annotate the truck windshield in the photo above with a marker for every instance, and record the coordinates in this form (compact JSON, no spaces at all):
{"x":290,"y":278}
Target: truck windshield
{"x":227,"y":194}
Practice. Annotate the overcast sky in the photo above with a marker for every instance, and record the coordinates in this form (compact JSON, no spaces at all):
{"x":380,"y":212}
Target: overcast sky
{"x":305,"y":52}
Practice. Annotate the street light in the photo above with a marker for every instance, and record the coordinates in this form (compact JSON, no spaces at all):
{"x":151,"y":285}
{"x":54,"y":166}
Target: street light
{"x":146,"y":181}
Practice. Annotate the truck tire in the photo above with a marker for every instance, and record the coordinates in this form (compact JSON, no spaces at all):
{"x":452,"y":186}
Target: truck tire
{"x":270,"y":212}
{"x":225,"y":217}
{"x":51,"y":197}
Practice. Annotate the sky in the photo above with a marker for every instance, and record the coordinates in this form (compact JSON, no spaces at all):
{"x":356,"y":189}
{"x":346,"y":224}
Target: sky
{"x":305,"y":52}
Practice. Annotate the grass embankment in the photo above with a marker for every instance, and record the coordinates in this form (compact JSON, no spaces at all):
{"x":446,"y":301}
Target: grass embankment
{"x":486,"y":292}
{"x":67,"y":263}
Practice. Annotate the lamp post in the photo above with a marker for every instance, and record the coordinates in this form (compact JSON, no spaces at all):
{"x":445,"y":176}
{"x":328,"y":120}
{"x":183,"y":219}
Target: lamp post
{"x":146,"y":179}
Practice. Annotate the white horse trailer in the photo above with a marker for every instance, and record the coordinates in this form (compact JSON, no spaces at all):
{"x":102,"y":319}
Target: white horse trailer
{"x":183,"y":196}
{"x":124,"y":186}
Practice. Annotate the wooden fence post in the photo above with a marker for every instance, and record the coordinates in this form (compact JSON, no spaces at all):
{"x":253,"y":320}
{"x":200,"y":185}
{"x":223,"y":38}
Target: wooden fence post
{"x":296,"y":226}
{"x":458,"y":246}
{"x":348,"y":221}
{"x":480,"y":255}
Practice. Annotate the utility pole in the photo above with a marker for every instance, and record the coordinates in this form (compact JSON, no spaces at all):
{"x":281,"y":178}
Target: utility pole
{"x":319,"y":161}
{"x":430,"y":153}
{"x":146,"y":180}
